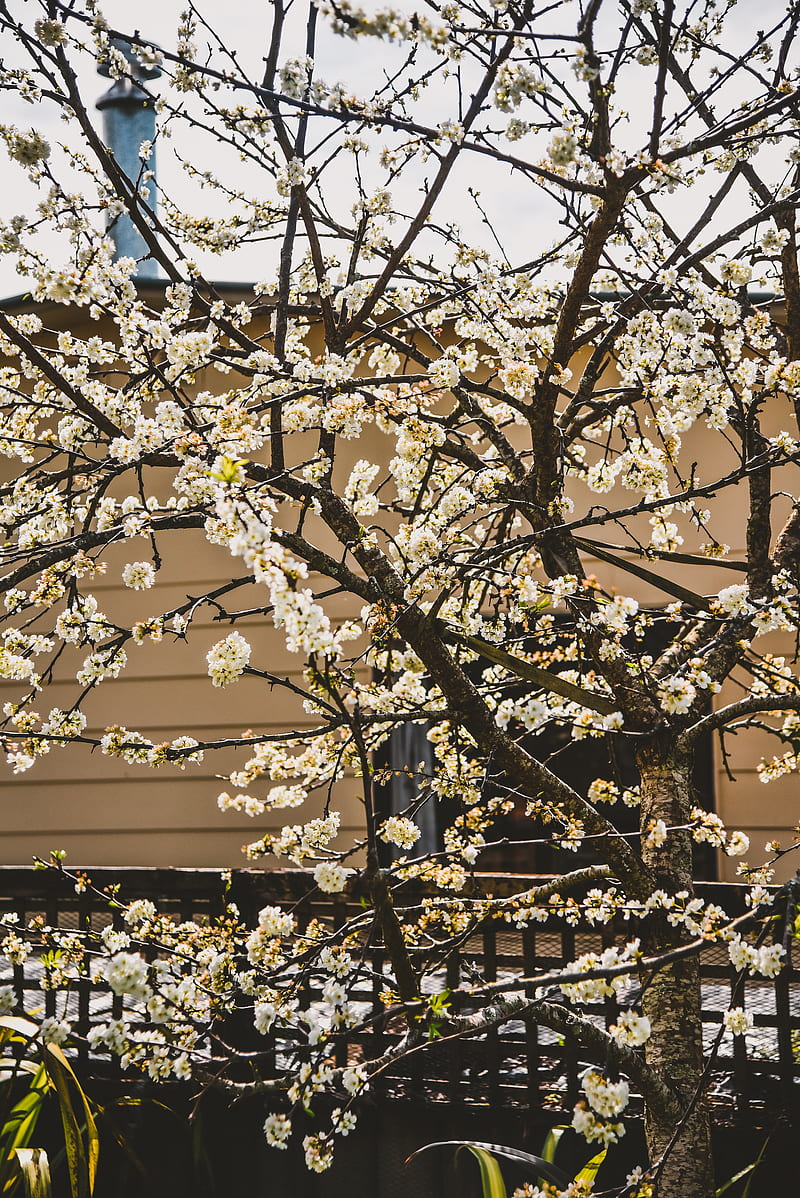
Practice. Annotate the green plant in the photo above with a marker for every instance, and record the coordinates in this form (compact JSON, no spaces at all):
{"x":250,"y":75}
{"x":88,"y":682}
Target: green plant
{"x":34,"y":1172}
{"x":437,"y":1010}
{"x":542,"y":1167}
{"x":20,"y":1163}
{"x":748,"y":1172}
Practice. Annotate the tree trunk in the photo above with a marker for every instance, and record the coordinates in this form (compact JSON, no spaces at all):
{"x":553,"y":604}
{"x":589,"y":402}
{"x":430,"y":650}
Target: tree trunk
{"x":671,"y":999}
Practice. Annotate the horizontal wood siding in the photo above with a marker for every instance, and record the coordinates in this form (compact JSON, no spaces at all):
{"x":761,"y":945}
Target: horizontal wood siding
{"x":105,"y":811}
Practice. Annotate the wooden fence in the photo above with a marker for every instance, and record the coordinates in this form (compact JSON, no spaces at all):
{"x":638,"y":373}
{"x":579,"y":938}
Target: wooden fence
{"x":518,"y":1066}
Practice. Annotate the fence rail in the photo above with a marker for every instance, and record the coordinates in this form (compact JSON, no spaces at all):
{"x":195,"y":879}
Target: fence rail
{"x":520,"y":1065}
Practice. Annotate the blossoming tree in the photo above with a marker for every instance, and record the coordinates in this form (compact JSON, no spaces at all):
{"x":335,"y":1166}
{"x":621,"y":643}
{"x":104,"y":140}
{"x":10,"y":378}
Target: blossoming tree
{"x":531,"y":398}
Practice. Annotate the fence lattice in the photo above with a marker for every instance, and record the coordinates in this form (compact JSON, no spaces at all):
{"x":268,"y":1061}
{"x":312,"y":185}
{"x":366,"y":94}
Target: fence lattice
{"x":519,"y":1065}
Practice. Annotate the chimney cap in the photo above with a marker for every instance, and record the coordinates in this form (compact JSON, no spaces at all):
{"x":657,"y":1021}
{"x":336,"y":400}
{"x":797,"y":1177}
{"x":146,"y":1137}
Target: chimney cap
{"x":125,"y":94}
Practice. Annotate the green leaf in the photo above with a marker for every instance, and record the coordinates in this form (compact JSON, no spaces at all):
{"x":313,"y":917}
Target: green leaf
{"x":748,"y":1169}
{"x":34,"y":1170}
{"x":736,"y":1177}
{"x":537,"y":1164}
{"x":82,"y":1161}
{"x":535,"y":674}
{"x":492,"y":1182}
{"x":752,"y":1172}
{"x":439,"y":1003}
{"x":228,"y":469}
{"x":92,"y":1135}
{"x":21,"y":1121}
{"x":19,"y":1124}
{"x":551,"y":1141}
{"x":73,"y":1143}
{"x":13,"y":1027}
{"x":589,"y":1170}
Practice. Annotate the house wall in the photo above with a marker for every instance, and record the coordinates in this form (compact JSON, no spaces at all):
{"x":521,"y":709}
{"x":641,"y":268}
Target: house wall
{"x":103,"y":811}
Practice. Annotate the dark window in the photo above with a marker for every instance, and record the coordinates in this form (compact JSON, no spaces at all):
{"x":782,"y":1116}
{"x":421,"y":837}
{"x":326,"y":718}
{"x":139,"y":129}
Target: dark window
{"x":400,"y":757}
{"x":578,"y":763}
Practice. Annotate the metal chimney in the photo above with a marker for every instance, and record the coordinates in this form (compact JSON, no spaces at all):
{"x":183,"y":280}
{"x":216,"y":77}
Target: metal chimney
{"x":129,"y":119}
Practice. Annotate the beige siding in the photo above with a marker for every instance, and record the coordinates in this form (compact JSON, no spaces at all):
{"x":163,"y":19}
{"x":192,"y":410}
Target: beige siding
{"x":106,"y":812}
{"x":103,"y":811}
{"x":765,"y":812}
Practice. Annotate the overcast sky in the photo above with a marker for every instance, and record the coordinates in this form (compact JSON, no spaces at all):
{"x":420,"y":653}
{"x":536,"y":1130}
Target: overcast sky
{"x":525,"y":226}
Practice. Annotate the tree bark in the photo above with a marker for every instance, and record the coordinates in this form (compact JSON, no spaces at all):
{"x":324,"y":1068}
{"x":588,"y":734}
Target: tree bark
{"x":671,"y":998}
